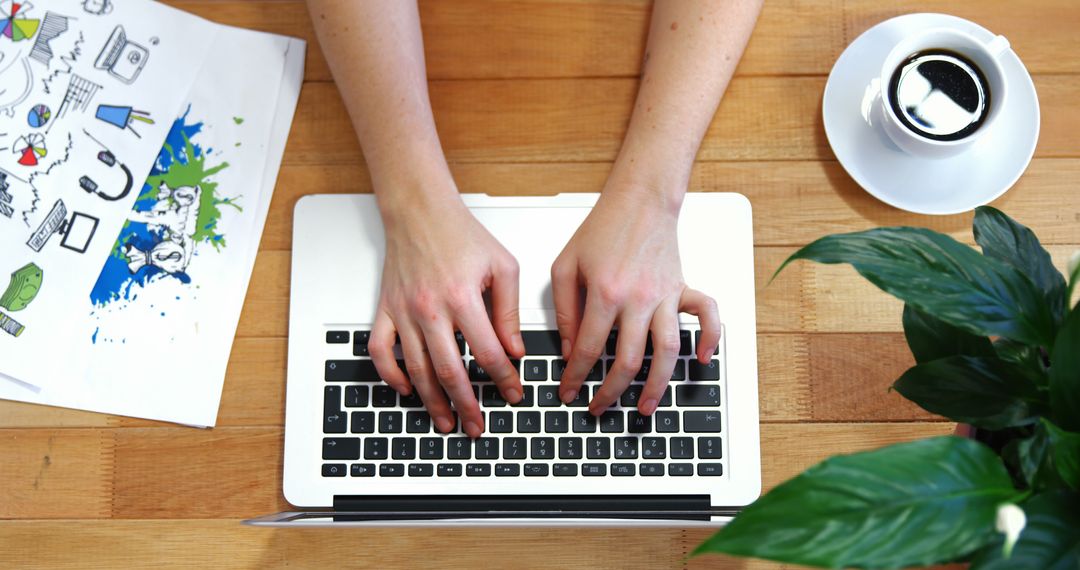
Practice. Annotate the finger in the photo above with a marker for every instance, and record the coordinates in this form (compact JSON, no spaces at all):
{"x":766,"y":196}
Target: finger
{"x":704,"y":308}
{"x":566,"y":291}
{"x":449,"y":372}
{"x":419,"y":367}
{"x":629,"y":355}
{"x":381,"y":349}
{"x":666,"y":344}
{"x":588,"y":347}
{"x":488,"y":352}
{"x":504,"y":307}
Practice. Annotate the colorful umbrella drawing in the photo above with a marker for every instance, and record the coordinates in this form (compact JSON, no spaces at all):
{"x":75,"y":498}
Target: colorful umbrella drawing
{"x":15,"y":26}
{"x":30,"y":148}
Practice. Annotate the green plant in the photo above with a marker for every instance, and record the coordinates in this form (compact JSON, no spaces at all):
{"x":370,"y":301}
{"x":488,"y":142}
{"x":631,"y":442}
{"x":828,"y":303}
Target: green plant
{"x":997,"y":347}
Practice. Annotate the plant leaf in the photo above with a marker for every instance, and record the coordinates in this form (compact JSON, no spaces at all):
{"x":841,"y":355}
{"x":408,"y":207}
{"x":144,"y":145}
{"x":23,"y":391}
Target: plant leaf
{"x":1004,"y":239}
{"x":1049,"y":541}
{"x":1022,"y":354}
{"x":984,"y":392}
{"x":1065,"y":451}
{"x":907,"y":504}
{"x":930,"y":338}
{"x":942,"y":277}
{"x":1065,"y":374}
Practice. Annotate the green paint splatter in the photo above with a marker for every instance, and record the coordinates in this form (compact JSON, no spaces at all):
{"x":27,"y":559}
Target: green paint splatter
{"x":238,"y":120}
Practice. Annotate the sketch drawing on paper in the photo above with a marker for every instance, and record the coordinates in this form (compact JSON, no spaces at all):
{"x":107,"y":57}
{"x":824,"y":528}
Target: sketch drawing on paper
{"x":79,"y":93}
{"x":51,"y":28}
{"x":7,"y":208}
{"x":176,"y":217}
{"x":108,"y":193}
{"x":14,"y":25}
{"x":38,"y":116}
{"x":21,"y":289}
{"x":97,"y":7}
{"x":76,"y":232}
{"x":122,"y":58}
{"x":30,"y":148}
{"x":16,"y":81}
{"x":122,"y":117}
{"x":64,"y":65}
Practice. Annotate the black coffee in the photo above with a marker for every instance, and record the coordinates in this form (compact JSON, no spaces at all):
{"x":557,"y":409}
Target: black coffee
{"x":940,"y":94}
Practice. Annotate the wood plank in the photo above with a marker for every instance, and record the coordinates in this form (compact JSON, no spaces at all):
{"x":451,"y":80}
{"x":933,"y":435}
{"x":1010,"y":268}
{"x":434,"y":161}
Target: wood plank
{"x":583,"y":120}
{"x":601,"y":39}
{"x":795,"y":202}
{"x":50,"y":473}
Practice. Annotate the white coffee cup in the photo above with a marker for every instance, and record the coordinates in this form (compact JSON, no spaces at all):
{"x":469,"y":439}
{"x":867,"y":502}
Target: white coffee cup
{"x":985,"y":55}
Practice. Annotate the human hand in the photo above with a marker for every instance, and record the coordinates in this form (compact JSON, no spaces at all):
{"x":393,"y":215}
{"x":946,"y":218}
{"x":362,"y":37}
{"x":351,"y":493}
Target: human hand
{"x":626,"y":257}
{"x":439,"y":263}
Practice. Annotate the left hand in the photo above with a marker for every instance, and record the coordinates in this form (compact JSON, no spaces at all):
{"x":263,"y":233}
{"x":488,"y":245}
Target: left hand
{"x":626,"y":257}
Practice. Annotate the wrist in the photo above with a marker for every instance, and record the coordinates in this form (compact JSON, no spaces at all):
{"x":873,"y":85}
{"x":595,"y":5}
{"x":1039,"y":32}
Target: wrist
{"x":416,"y":198}
{"x":658,"y":194}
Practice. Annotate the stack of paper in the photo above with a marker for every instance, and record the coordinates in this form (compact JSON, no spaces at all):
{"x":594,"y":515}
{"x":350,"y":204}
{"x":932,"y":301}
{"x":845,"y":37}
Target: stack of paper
{"x":139,"y":148}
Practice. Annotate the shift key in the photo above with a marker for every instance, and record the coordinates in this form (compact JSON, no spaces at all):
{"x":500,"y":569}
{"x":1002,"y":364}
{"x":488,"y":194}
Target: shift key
{"x":351,"y":371}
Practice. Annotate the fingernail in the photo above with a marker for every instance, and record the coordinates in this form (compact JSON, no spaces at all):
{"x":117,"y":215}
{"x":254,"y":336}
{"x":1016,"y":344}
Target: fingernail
{"x":565,"y":348}
{"x":445,"y":424}
{"x":519,"y":345}
{"x":513,"y":395}
{"x":649,"y":406}
{"x":473,"y":429}
{"x":567,"y":396}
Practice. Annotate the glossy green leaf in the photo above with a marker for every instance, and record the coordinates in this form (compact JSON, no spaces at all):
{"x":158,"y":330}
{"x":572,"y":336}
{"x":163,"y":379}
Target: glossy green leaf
{"x":1024,"y":355}
{"x":1004,"y":239}
{"x":942,"y":277}
{"x":984,"y":392}
{"x":1065,"y":374}
{"x":907,"y":504}
{"x":930,"y":338}
{"x":1049,"y":541}
{"x":1065,"y":452}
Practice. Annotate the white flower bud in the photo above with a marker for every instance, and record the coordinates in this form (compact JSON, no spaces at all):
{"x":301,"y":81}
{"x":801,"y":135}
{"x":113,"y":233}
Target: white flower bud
{"x":1010,"y":521}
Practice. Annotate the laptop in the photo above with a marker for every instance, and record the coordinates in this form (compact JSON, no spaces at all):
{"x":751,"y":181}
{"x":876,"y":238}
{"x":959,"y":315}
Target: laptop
{"x":357,"y":453}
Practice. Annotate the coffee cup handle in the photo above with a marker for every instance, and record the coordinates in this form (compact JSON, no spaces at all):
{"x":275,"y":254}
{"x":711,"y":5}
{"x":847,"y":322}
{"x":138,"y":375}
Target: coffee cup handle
{"x":998,"y":45}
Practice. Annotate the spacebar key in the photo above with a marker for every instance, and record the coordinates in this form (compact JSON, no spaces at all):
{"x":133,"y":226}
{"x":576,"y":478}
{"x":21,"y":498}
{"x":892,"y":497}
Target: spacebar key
{"x":351,"y":371}
{"x":542,"y":343}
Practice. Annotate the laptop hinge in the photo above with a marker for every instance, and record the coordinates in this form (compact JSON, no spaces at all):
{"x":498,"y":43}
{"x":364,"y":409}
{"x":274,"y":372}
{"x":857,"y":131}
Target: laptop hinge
{"x":367,"y":507}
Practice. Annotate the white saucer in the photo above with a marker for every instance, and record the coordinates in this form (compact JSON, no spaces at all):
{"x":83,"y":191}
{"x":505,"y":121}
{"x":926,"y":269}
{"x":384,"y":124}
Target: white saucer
{"x":851,"y":111}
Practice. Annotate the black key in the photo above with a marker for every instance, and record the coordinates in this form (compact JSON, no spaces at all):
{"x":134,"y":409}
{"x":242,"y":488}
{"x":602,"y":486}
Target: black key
{"x":680,"y":469}
{"x":709,"y":448}
{"x":514,"y":448}
{"x":564,"y":470}
{"x":335,"y":422}
{"x":477,"y":374}
{"x":449,"y":470}
{"x":684,"y":343}
{"x":535,"y":370}
{"x":665,"y":400}
{"x":363,"y":422}
{"x":492,"y":397}
{"x":611,"y":421}
{"x":584,"y":422}
{"x":331,"y":399}
{"x":643,"y":372}
{"x":476,"y":392}
{"x":526,"y":398}
{"x":570,"y":448}
{"x":403,"y":448}
{"x":555,"y":422}
{"x":487,"y":448}
{"x":596,"y":373}
{"x":582,"y":398}
{"x":333,"y":470}
{"x":459,"y":448}
{"x":383,"y":397}
{"x":548,"y":396}
{"x":650,"y":469}
{"x":678,"y":374}
{"x":355,"y":396}
{"x":653,"y":448}
{"x":710,"y":371}
{"x":501,"y":422}
{"x":507,"y":470}
{"x":598,"y":448}
{"x":682,"y":448}
{"x":528,"y":422}
{"x":625,"y":448}
{"x":389,"y":422}
{"x":697,"y":340}
{"x":631,"y":396}
{"x":478,"y":470}
{"x":337,"y":337}
{"x":376,"y":448}
{"x":710,"y":469}
{"x":431,"y":448}
{"x":391,"y":470}
{"x":351,"y":371}
{"x":698,"y":395}
{"x":593,"y":469}
{"x":637,"y":423}
{"x":460,"y":340}
{"x":417,"y":422}
{"x":701,"y":422}
{"x":542,"y":343}
{"x":362,"y":470}
{"x":411,"y":401}
{"x":340,"y":448}
{"x":543,"y":448}
{"x":359,"y":343}
{"x":667,"y":422}
{"x":557,"y":368}
{"x":536,"y":469}
{"x":421,"y":470}
{"x":622,"y":469}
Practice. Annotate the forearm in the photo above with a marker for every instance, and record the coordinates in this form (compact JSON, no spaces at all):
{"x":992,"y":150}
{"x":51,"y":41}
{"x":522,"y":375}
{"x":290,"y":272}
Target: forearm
{"x":692,"y":52}
{"x":376,"y":54}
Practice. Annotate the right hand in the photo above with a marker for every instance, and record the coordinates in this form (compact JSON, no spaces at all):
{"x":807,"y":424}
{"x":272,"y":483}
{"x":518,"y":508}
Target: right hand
{"x":439,"y":262}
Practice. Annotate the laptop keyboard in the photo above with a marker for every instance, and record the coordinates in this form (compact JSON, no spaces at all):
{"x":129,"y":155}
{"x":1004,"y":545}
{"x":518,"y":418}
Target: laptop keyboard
{"x":371,"y":431}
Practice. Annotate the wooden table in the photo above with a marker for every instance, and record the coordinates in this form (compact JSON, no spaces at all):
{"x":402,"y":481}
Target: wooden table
{"x":533,"y":98}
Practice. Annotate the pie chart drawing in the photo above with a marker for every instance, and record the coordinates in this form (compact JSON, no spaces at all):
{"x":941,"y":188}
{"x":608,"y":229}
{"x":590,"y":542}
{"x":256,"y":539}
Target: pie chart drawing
{"x":38,"y":116}
{"x":14,"y":28}
{"x":30,"y":148}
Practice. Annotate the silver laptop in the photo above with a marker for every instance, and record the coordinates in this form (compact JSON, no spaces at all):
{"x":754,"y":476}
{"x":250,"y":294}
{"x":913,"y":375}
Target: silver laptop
{"x":356,"y":453}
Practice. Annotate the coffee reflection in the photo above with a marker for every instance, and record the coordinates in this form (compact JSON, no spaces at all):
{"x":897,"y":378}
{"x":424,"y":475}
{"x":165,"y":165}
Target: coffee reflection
{"x":940,"y":95}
